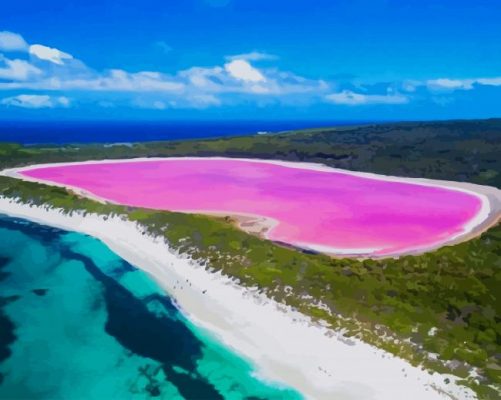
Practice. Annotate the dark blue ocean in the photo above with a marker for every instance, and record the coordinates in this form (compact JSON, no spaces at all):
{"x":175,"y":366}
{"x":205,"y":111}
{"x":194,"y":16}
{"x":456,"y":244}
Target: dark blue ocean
{"x":31,"y":132}
{"x":79,"y":322}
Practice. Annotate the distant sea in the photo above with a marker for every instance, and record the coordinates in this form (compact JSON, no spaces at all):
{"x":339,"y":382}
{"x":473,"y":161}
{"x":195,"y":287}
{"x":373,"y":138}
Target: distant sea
{"x":78,"y":322}
{"x":33,"y":132}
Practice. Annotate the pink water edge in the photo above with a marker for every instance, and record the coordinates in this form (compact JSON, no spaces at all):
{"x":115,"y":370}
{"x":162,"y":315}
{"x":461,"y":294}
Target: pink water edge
{"x":329,"y":210}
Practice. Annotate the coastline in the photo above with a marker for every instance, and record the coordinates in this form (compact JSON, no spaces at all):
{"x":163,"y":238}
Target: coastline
{"x":284,"y":345}
{"x":262,"y":226}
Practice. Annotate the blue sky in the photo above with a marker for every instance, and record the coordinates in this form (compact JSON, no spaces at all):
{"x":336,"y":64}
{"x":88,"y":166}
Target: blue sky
{"x":232,"y":59}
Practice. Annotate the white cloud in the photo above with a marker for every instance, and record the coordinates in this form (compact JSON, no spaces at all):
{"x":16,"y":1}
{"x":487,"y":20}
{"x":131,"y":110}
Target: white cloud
{"x":113,"y":81}
{"x":203,"y":101}
{"x":159,"y":105}
{"x":63,"y":101}
{"x":410,"y":85}
{"x":242,"y":70}
{"x":461,"y":84}
{"x":35,"y":101}
{"x":49,"y":54}
{"x":120,"y":80}
{"x":245,"y":81}
{"x":149,"y":104}
{"x":450,"y":84}
{"x":252,"y":56}
{"x":10,"y":41}
{"x":235,"y":80}
{"x":199,"y":101}
{"x":208,"y":79}
{"x":442,"y":100}
{"x":17,"y":70}
{"x":347,"y":97}
{"x":489,"y":81}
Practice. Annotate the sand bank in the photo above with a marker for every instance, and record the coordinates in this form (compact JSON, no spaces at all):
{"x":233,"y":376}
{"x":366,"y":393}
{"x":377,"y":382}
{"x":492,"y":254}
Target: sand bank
{"x":284,"y":345}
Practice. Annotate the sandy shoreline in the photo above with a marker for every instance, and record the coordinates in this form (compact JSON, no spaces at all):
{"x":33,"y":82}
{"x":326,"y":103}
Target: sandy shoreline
{"x":284,"y":345}
{"x":489,"y":214}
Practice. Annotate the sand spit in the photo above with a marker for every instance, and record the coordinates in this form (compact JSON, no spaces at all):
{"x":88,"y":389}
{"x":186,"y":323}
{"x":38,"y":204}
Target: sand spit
{"x":283,"y":345}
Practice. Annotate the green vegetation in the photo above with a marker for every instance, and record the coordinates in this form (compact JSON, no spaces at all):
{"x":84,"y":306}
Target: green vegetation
{"x":447,"y":302}
{"x":456,"y":150}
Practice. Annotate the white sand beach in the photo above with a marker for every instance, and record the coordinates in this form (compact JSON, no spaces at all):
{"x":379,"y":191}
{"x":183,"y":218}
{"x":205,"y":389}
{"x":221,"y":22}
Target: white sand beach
{"x":284,"y":346}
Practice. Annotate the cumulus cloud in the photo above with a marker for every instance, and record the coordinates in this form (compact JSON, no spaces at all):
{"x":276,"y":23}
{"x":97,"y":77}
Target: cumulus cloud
{"x":10,"y":41}
{"x":347,"y":97}
{"x":35,"y":101}
{"x":17,"y":70}
{"x":242,"y":70}
{"x":240,"y":77}
{"x":236,"y":79}
{"x":49,"y":54}
{"x":230,"y":79}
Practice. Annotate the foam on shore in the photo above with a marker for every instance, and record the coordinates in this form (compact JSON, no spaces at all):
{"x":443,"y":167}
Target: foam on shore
{"x":284,"y":345}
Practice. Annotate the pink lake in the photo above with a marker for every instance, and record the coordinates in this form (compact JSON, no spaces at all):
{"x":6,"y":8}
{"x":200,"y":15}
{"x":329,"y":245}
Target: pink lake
{"x":318,"y":209}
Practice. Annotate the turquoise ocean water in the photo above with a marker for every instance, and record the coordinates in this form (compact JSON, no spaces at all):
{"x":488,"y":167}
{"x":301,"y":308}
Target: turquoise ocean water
{"x":78,"y":322}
